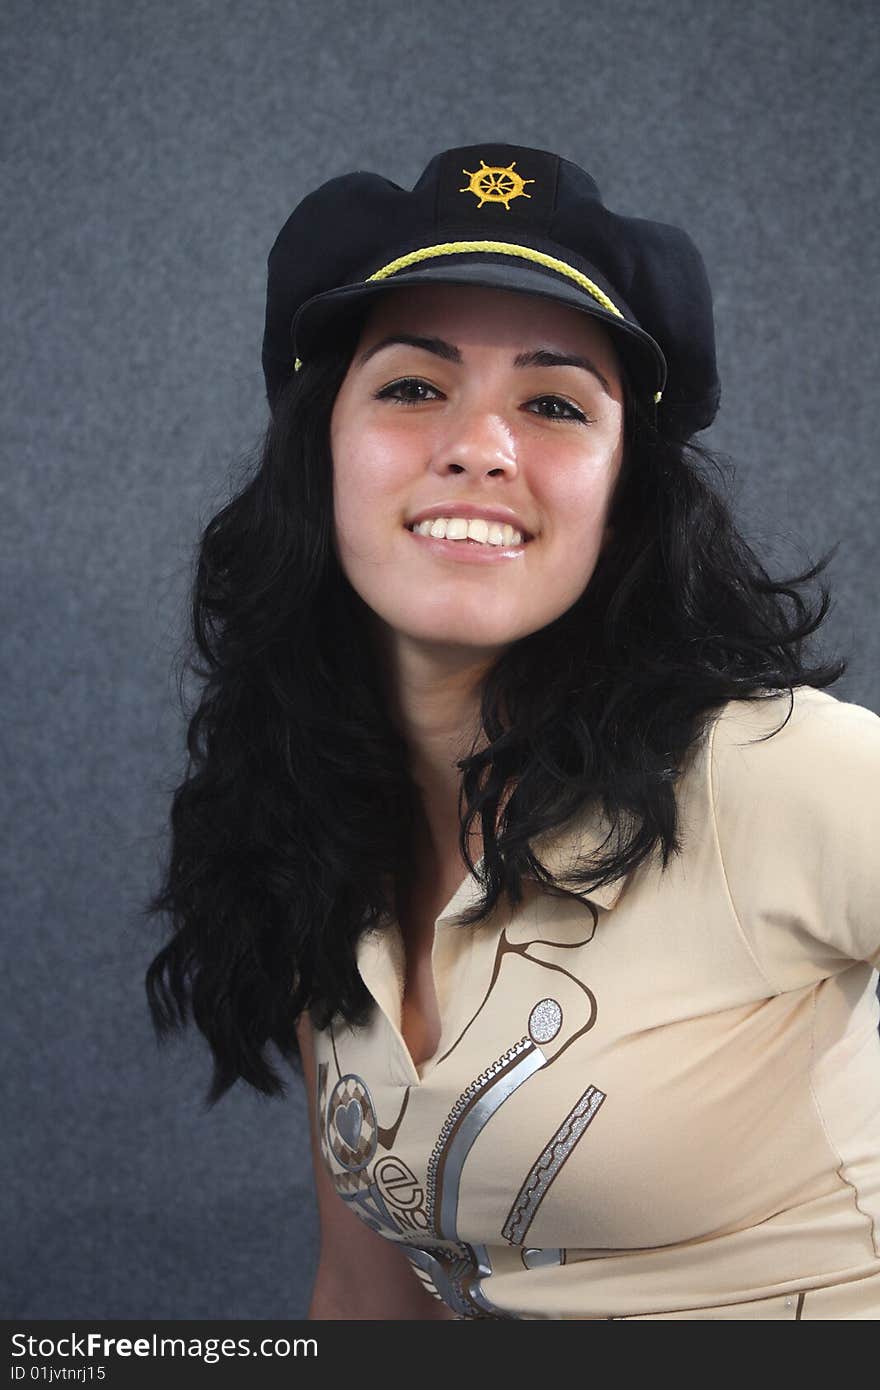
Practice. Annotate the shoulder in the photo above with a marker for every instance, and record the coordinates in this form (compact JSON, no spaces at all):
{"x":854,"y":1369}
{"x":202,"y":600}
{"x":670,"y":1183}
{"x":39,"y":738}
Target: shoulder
{"x":806,"y":713}
{"x":809,"y":745}
{"x":794,"y":785}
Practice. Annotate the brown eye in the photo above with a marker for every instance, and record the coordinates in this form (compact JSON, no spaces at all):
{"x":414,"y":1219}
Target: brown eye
{"x":558,"y":403}
{"x":401,"y":391}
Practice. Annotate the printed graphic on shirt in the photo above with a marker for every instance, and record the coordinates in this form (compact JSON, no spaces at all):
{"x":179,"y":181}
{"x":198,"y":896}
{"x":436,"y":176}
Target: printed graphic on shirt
{"x":389,"y":1197}
{"x":351,"y":1123}
{"x":516,"y":955}
{"x":547,"y":1166}
{"x":392,"y":1202}
{"x":467,"y":1118}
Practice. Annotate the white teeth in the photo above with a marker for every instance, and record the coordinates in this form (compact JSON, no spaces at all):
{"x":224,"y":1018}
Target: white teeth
{"x":459,"y":528}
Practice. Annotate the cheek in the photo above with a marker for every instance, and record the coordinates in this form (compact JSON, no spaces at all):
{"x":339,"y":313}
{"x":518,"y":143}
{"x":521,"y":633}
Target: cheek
{"x":372,"y":471}
{"x":575,"y":495}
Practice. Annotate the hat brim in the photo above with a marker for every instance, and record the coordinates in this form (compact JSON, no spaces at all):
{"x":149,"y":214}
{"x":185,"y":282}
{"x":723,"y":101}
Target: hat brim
{"x":317,"y":316}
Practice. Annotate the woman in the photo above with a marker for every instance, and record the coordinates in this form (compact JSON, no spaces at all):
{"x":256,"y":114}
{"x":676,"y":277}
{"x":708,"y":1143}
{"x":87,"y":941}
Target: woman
{"x":515,"y":809}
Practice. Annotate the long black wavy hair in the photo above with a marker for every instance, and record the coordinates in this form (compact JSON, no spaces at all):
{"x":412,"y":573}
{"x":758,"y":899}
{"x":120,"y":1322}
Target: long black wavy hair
{"x":278,"y":859}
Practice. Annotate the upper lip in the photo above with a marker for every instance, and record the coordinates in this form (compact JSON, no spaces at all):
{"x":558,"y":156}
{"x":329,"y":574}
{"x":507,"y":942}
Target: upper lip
{"x":471,"y":510}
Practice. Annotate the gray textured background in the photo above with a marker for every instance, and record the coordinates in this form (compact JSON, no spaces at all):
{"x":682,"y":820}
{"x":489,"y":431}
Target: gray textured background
{"x":152,"y":151}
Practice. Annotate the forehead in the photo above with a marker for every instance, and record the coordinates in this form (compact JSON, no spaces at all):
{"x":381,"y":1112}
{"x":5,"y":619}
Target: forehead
{"x":469,"y":316}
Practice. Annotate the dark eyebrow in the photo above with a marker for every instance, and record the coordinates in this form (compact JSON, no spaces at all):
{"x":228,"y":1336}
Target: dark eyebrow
{"x":543,"y":357}
{"x":435,"y":345}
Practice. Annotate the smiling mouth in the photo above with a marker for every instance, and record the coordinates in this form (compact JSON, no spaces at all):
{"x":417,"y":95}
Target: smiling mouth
{"x":467,"y":553}
{"x":474,"y":532}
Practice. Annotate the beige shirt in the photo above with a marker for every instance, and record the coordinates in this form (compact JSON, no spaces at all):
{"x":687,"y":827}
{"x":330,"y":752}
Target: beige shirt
{"x":663,"y":1105}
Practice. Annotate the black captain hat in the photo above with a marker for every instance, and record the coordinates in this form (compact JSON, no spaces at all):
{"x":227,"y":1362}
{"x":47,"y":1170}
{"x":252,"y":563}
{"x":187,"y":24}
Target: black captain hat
{"x":505,"y":217}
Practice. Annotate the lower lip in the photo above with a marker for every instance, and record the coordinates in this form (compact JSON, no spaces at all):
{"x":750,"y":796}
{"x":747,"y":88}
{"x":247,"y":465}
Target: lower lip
{"x":465,"y":552}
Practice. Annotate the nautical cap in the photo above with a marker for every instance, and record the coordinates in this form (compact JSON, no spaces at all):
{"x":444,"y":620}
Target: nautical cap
{"x":504,"y":217}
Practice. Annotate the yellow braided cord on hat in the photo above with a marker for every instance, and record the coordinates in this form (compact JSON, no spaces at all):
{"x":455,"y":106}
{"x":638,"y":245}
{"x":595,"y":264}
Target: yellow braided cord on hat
{"x":505,"y":248}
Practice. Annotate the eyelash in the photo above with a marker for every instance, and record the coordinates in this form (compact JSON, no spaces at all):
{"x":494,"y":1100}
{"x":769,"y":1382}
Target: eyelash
{"x":577,"y":416}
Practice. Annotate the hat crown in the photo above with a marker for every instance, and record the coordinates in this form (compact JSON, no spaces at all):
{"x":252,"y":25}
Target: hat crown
{"x":502,"y":185}
{"x":359,"y":233}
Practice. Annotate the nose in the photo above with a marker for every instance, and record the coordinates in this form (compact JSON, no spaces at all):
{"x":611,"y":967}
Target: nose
{"x":478,"y":440}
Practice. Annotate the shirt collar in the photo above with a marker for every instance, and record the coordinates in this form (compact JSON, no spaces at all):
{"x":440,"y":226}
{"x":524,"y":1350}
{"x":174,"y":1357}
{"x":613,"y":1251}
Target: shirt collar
{"x":560,"y":851}
{"x":563,"y":850}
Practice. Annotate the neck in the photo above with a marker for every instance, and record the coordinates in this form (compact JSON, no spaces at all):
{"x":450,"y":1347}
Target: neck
{"x":434,"y":691}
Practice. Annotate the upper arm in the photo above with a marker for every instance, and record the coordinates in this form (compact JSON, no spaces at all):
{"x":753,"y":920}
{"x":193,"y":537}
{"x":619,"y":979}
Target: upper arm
{"x":798,"y":824}
{"x":361,"y":1274}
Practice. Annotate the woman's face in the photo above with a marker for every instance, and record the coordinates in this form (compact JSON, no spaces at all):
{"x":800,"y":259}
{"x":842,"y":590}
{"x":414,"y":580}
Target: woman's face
{"x":477,"y":419}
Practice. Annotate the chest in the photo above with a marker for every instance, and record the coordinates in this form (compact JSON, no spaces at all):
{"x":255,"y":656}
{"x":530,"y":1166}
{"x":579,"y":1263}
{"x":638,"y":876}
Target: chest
{"x":588,"y":1094}
{"x":419,"y":907}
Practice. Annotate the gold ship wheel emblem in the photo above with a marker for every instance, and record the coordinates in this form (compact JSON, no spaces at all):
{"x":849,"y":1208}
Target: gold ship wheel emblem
{"x":494,"y":184}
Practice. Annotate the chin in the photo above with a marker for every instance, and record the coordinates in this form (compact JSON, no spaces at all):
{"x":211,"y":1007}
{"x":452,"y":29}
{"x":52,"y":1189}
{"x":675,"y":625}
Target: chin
{"x":466,"y":632}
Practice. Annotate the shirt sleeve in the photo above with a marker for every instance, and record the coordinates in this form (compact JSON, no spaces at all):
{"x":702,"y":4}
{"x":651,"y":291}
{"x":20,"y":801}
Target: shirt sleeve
{"x":798,"y":831}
